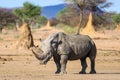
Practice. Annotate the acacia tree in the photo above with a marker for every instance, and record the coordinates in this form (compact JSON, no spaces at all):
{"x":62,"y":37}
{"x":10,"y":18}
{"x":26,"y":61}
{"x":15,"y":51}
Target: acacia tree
{"x":28,"y":12}
{"x":94,"y":6}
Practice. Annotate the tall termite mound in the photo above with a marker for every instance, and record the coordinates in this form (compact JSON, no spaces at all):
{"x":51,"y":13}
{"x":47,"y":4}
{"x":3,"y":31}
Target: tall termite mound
{"x":25,"y":40}
{"x":47,"y":26}
{"x":48,"y":29}
{"x":89,"y":29}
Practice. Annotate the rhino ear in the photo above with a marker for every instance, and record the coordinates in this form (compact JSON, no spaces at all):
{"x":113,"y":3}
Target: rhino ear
{"x":41,"y":40}
{"x":61,"y":37}
{"x":60,"y":42}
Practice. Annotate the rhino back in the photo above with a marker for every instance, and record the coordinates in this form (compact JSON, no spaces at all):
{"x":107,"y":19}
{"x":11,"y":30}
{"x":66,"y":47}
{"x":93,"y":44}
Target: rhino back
{"x":78,"y":45}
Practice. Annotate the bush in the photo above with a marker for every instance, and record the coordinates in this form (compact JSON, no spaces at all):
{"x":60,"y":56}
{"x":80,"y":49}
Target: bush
{"x":10,"y":26}
{"x":41,"y":20}
{"x":66,"y":28}
{"x":116,"y":18}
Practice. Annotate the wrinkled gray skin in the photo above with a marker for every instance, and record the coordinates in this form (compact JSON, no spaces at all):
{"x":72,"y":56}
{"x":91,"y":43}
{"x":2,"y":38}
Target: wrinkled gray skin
{"x":67,"y":47}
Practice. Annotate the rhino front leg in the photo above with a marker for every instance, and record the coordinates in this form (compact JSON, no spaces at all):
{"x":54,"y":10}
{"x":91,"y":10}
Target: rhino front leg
{"x":57,"y":62}
{"x":63,"y":63}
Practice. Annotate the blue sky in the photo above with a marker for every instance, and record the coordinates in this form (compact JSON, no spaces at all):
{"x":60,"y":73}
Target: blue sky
{"x":115,"y":7}
{"x":19,"y":3}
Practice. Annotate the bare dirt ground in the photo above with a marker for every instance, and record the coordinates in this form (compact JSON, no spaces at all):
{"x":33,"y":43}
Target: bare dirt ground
{"x":22,"y":65}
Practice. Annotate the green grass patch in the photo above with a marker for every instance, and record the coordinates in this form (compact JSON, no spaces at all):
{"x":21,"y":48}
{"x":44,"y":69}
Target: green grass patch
{"x":66,"y":28}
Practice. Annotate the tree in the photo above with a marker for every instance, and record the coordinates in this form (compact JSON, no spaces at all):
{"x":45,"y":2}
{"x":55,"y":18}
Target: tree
{"x":53,"y":21}
{"x":94,"y":6}
{"x":116,"y":18}
{"x":40,"y":20}
{"x":28,"y":12}
{"x":6,"y":17}
{"x":69,"y":16}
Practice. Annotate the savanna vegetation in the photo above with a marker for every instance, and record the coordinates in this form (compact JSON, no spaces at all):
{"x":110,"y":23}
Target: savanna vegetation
{"x":116,"y":18}
{"x":28,"y":13}
{"x":7,"y":18}
{"x":75,"y":14}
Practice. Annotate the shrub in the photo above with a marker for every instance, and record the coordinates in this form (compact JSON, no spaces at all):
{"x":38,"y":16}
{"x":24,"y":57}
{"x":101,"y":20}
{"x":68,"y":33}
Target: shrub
{"x":66,"y":28}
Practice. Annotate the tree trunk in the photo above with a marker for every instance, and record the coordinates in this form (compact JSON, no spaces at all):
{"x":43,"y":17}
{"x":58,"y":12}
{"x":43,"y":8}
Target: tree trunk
{"x":81,"y":15}
{"x":0,"y":30}
{"x":80,"y":22}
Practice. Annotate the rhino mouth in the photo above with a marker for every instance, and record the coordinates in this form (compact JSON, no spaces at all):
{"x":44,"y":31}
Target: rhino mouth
{"x":40,"y":55}
{"x":46,"y":58}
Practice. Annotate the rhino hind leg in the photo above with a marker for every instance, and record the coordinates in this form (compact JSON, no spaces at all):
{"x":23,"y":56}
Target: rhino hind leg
{"x":84,"y":66}
{"x":92,"y":59}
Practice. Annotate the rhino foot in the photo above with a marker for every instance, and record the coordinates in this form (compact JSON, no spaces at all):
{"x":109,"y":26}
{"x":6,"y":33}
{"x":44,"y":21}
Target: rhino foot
{"x":82,"y":72}
{"x":93,"y":72}
{"x":63,"y":72}
{"x":57,"y":72}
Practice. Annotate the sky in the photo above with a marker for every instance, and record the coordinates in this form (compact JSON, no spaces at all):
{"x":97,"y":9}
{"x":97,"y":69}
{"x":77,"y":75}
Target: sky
{"x":19,"y":3}
{"x":115,"y":7}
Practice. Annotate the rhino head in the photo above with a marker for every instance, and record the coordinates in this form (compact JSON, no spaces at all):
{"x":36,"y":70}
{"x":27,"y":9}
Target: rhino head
{"x":48,"y":47}
{"x":40,"y":55}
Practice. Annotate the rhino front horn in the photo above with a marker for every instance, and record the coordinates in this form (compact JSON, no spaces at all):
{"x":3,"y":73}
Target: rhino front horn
{"x":37,"y":52}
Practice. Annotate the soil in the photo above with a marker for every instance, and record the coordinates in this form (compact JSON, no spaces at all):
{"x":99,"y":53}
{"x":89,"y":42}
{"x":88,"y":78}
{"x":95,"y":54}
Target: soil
{"x":22,"y":65}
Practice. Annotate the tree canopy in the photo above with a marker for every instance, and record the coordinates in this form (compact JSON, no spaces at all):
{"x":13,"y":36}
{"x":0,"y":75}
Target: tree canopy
{"x":6,"y":17}
{"x":28,"y":12}
{"x":69,"y":16}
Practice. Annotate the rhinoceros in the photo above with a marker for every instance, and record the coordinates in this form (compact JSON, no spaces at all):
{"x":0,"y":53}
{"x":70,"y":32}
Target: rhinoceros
{"x":63,"y":47}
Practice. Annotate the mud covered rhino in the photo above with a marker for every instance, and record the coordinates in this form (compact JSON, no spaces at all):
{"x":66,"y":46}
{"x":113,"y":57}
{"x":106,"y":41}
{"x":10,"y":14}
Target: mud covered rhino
{"x":63,"y":47}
